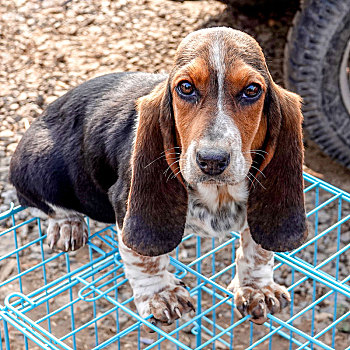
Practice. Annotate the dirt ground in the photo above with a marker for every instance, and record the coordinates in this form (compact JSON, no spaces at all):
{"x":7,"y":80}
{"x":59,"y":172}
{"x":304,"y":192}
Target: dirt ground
{"x":50,"y":46}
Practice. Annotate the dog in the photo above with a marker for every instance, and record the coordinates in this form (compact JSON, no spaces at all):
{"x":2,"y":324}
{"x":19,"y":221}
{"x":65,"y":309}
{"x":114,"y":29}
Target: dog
{"x":213,"y":147}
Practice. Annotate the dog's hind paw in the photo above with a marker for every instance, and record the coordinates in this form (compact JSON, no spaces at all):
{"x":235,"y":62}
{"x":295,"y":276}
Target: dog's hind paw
{"x":69,"y":233}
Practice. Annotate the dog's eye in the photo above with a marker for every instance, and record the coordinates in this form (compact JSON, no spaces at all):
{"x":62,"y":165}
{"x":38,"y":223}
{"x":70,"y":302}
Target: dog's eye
{"x":185,"y":88}
{"x":252,"y":90}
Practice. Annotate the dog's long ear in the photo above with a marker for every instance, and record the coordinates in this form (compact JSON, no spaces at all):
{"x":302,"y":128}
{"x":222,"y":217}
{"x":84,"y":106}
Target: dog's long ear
{"x":276,"y":212}
{"x":157,"y":204}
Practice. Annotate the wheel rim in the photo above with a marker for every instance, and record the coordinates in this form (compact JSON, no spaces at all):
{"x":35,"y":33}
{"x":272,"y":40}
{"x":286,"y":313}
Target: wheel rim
{"x":345,"y":77}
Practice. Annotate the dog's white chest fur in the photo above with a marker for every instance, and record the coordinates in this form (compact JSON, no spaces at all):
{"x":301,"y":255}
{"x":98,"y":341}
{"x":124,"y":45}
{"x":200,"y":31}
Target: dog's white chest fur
{"x":214,"y":211}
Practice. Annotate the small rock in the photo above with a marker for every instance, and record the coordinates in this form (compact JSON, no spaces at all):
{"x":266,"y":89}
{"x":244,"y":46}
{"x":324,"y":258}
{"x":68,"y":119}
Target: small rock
{"x":345,"y":237}
{"x":60,"y":58}
{"x":6,"y":134}
{"x":7,"y":269}
{"x":14,"y":106}
{"x":323,"y":317}
{"x":22,"y":96}
{"x":50,"y":99}
{"x":11,"y":147}
{"x":9,"y":196}
{"x":324,"y":216}
{"x":40,"y":100}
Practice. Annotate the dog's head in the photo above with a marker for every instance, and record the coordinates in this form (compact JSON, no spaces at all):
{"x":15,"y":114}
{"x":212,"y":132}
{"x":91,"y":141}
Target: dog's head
{"x":218,"y":119}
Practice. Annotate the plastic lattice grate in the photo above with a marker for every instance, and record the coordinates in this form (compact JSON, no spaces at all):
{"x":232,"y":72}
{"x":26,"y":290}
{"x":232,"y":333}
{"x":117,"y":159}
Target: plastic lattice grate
{"x":82,"y":300}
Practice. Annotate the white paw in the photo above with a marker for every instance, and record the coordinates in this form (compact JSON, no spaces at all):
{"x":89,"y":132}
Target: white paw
{"x":66,"y":234}
{"x":258,"y":302}
{"x":167,"y":304}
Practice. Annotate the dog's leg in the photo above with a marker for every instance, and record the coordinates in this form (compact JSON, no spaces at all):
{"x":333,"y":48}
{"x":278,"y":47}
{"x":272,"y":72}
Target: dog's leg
{"x":255,"y":291}
{"x":156,"y":291}
{"x":67,"y":230}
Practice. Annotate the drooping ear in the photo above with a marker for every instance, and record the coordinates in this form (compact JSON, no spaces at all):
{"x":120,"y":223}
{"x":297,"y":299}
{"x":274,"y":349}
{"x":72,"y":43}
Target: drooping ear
{"x":157,"y":203}
{"x":276,"y":212}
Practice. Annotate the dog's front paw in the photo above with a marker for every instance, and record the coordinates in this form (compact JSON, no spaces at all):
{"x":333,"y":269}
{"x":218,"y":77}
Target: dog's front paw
{"x":66,"y":234}
{"x":258,"y":302}
{"x":167,"y":304}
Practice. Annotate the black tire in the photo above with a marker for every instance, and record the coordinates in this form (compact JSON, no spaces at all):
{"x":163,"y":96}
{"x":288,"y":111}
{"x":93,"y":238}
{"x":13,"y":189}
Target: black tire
{"x":314,"y":56}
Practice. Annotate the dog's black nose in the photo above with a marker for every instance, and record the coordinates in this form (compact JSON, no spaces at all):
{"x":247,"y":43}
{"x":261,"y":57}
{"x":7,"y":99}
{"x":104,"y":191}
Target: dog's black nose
{"x":212,"y":162}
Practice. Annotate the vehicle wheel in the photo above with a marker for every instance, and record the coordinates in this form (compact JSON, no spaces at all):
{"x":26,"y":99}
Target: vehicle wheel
{"x":316,"y":66}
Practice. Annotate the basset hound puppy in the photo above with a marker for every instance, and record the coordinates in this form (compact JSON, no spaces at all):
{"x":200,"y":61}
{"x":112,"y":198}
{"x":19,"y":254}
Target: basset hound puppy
{"x":213,"y":147}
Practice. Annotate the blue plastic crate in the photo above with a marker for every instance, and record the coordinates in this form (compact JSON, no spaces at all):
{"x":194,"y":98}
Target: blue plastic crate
{"x":82,"y":300}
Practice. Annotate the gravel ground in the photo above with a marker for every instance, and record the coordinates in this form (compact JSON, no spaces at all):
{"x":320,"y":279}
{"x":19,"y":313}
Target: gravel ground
{"x":47,"y":47}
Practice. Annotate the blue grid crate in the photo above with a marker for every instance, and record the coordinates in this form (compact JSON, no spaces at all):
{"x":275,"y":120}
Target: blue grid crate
{"x":81,"y":300}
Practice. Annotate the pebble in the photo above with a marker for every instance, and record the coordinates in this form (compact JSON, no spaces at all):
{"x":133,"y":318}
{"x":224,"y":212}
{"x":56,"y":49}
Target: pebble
{"x":6,"y":134}
{"x":14,"y":106}
{"x":9,"y":196}
{"x":11,"y":147}
{"x":323,"y":316}
{"x":345,"y":237}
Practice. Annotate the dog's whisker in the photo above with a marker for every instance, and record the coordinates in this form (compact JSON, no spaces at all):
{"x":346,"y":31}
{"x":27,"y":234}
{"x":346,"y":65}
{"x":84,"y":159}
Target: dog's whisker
{"x":261,"y":155}
{"x":164,"y":155}
{"x":255,"y":152}
{"x":169,"y":167}
{"x":250,"y":180}
{"x":257,"y":180}
{"x":259,"y":150}
{"x":259,"y":171}
{"x":171,"y":149}
{"x":171,"y":173}
{"x":154,"y":161}
{"x":176,"y":174}
{"x":177,"y":153}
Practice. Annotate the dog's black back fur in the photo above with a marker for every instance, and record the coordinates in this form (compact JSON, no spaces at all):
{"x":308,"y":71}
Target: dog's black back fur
{"x":76,"y":155}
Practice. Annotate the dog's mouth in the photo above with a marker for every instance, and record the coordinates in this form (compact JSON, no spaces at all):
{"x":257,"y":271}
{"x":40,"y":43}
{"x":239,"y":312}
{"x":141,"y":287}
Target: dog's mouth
{"x":218,"y":181}
{"x":212,"y":182}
